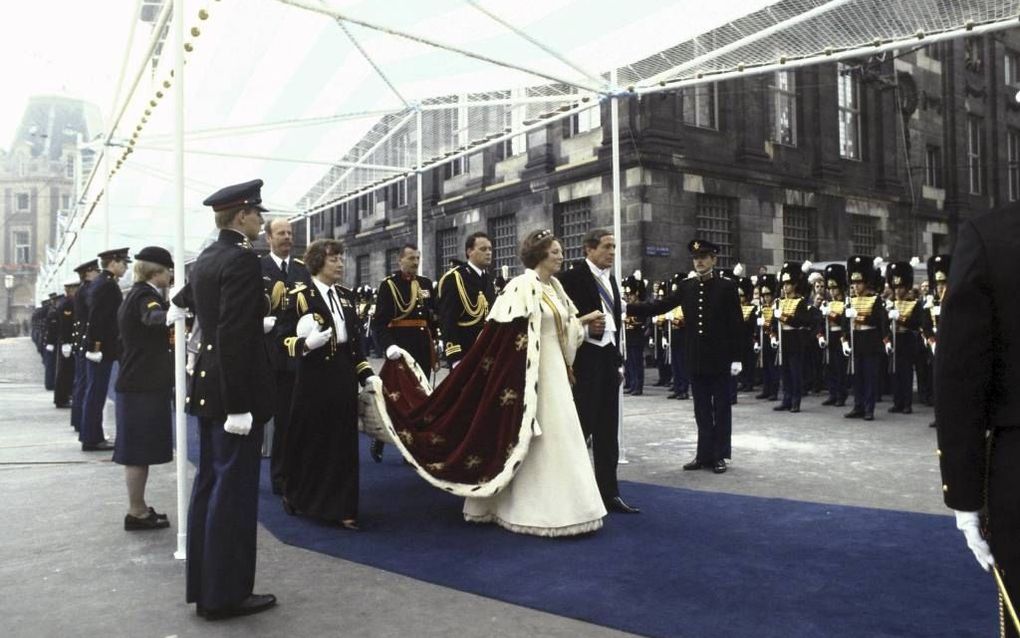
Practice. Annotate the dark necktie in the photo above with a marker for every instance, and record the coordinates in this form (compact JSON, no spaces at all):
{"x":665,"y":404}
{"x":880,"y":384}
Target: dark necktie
{"x":332,"y":303}
{"x":283,"y":269}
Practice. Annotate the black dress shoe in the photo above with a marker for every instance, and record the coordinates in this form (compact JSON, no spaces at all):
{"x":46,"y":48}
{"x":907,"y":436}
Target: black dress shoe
{"x":870,"y":416}
{"x":894,"y":409}
{"x":932,"y":424}
{"x":829,"y":401}
{"x":694,"y":465}
{"x":152,"y":510}
{"x":102,"y":446}
{"x":773,"y":397}
{"x":253,"y":604}
{"x":854,"y":414}
{"x":840,"y":403}
{"x":908,"y":410}
{"x":761,"y":395}
{"x":795,"y":408}
{"x":673,"y":396}
{"x":616,"y":504}
{"x":719,"y":467}
{"x":376,"y":450}
{"x":627,"y":390}
{"x":149,"y":521}
{"x":781,"y":407}
{"x":287,"y":507}
{"x":636,"y":393}
{"x":685,"y":396}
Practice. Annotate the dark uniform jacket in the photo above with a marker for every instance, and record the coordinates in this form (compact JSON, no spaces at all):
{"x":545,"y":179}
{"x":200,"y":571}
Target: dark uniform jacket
{"x":799,"y":326}
{"x":81,"y":317}
{"x":65,"y":321}
{"x":867,"y":341}
{"x":714,"y":322}
{"x":232,"y":374}
{"x":407,"y":320}
{"x":146,"y":362}
{"x":276,"y":286}
{"x":580,"y":285}
{"x":101,"y":334}
{"x":977,"y":368}
{"x":53,"y":321}
{"x":307,"y":300}
{"x":464,"y":301}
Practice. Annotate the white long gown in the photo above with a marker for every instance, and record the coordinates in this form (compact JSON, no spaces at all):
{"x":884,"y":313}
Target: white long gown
{"x":553,"y":492}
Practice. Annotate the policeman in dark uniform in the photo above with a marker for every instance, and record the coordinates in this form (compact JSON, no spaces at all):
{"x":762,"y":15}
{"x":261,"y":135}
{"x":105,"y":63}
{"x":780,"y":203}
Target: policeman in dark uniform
{"x":793,"y":323}
{"x":231,"y":393}
{"x":635,"y":333}
{"x":977,"y":406}
{"x":87,"y":272}
{"x":905,"y":325}
{"x":864,"y":335}
{"x":768,"y":286}
{"x":49,"y":340}
{"x":830,"y":335}
{"x":405,"y":318}
{"x":281,"y":272}
{"x":102,"y":345}
{"x":712,"y":308}
{"x":465,"y":293}
{"x":64,"y":381}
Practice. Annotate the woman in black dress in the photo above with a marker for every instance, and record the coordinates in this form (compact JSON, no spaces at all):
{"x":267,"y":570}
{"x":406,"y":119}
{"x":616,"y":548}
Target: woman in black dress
{"x":321,"y":450}
{"x":144,"y":421}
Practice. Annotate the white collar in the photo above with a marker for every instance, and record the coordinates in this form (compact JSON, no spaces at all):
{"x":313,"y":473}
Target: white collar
{"x":155,"y":287}
{"x":598,"y":272}
{"x":324,"y":288}
{"x":279,"y":260}
{"x":478,"y":271}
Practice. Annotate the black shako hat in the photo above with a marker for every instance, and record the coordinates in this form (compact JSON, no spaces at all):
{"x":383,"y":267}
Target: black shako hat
{"x":116,"y":254}
{"x":156,"y":255}
{"x":702,"y":246}
{"x":835,"y":275}
{"x":247,"y":194}
{"x":88,"y":266}
{"x":767,"y":284}
{"x":938,"y":270}
{"x":900,"y":274}
{"x":861,"y":269}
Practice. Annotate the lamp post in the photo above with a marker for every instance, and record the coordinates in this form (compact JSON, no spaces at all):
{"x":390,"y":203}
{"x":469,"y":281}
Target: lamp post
{"x":8,"y":287}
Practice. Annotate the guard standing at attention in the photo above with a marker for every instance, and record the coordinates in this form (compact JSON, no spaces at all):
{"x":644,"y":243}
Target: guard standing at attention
{"x":63,"y":384}
{"x":864,"y":335}
{"x":87,"y":272}
{"x":465,"y":294}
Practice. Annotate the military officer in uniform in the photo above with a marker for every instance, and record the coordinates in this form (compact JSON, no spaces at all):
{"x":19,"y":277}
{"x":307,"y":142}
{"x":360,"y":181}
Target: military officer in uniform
{"x":793,"y":321}
{"x":465,"y":293}
{"x":905,"y":324}
{"x":660,"y":338}
{"x":102,"y":345}
{"x":231,"y":393}
{"x":830,"y":335}
{"x":634,"y":336}
{"x":677,"y":340}
{"x":405,"y":318}
{"x":281,"y":272}
{"x":749,"y":337}
{"x":712,"y":308}
{"x":977,"y":406}
{"x":938,"y":277}
{"x":49,"y":339}
{"x":768,"y":343}
{"x":864,"y":335}
{"x":87,"y":272}
{"x":63,"y":384}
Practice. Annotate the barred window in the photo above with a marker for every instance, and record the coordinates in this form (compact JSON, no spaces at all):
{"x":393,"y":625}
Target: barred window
{"x":571,"y":220}
{"x":1013,"y":165}
{"x":784,"y":108}
{"x":975,"y":168}
{"x":716,"y":224}
{"x":863,"y":233}
{"x":798,"y":233}
{"x":849,"y":88}
{"x":361,"y":272}
{"x":392,"y":260}
{"x":1011,"y":68}
{"x":446,"y":249}
{"x":933,"y":166}
{"x":503,"y":231}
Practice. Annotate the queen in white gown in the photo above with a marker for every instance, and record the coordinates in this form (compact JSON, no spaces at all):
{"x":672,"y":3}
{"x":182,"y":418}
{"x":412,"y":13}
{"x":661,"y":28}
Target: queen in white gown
{"x":553,"y":493}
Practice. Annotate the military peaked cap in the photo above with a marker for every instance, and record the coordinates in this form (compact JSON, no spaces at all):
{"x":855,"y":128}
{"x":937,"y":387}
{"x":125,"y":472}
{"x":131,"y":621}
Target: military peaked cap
{"x":247,"y":194}
{"x":86,"y":267}
{"x":116,"y":254}
{"x":702,"y":246}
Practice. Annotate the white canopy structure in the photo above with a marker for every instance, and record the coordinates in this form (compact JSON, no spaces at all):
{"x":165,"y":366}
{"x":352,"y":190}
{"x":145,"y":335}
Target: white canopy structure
{"x":326,"y":101}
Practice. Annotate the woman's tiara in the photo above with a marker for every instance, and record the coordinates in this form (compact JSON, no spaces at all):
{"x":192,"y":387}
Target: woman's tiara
{"x":542,"y":234}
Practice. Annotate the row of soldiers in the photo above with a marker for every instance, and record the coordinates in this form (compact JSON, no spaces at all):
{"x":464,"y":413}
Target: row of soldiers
{"x":872,"y":330}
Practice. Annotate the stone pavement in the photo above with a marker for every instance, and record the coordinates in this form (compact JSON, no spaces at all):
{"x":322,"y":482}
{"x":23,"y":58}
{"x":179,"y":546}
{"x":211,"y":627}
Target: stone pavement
{"x":67,"y":567}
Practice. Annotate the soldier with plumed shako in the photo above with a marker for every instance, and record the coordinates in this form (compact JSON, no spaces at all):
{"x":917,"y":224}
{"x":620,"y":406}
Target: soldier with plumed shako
{"x":749,"y":314}
{"x":660,"y":339}
{"x":905,"y":331}
{"x":938,"y":279}
{"x":793,"y":323}
{"x":830,"y":335}
{"x":465,"y":293}
{"x":676,"y":338}
{"x":635,"y":333}
{"x":768,"y":342}
{"x":865,"y":333}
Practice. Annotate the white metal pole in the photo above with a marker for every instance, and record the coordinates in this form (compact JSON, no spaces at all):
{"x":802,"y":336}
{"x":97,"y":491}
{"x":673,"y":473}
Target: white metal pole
{"x":614,"y":118}
{"x":180,"y":378}
{"x":418,"y":173}
{"x":106,"y":200}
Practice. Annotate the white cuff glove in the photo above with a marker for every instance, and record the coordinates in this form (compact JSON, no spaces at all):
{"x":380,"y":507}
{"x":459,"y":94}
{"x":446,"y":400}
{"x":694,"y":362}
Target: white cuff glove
{"x":760,"y":321}
{"x":94,"y":357}
{"x":846,"y":349}
{"x":757,"y":347}
{"x":735,"y":368}
{"x":239,"y":424}
{"x":850,"y":312}
{"x":825,"y":309}
{"x":967,"y":522}
{"x":267,"y":324}
{"x":775,"y":343}
{"x":393,"y":353}
{"x":933,"y":349}
{"x":888,"y":349}
{"x":936,"y":311}
{"x":894,"y":314}
{"x":50,"y":347}
{"x":455,"y":364}
{"x":372,"y":382}
{"x":822,"y":343}
{"x":318,"y":338}
{"x":175,"y":312}
{"x":65,"y":350}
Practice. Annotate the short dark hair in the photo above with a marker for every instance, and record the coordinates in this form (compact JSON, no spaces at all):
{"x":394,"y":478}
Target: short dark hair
{"x":469,"y":243}
{"x":315,"y":256}
{"x":405,"y":248}
{"x":593,"y":237}
{"x":535,"y":247}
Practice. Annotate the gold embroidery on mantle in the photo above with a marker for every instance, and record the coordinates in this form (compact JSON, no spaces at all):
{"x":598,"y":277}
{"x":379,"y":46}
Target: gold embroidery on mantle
{"x":521,"y":342}
{"x":472,"y":462}
{"x":486,"y":363}
{"x":507,"y":398}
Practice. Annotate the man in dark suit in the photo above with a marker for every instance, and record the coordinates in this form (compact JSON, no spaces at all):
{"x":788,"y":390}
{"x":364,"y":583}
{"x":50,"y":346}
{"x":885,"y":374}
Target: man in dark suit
{"x":977,"y":406}
{"x":102,"y":346}
{"x":49,"y":340}
{"x":63,"y":383}
{"x":713,"y":350}
{"x":465,"y":294}
{"x":87,"y":271}
{"x":231,"y":394}
{"x":592,"y":286}
{"x":281,"y":272}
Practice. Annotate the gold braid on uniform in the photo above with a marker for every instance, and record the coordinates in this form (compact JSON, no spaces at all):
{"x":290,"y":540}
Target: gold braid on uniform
{"x":477,"y":311}
{"x":402,"y":307}
{"x":277,"y":295}
{"x":291,"y":344}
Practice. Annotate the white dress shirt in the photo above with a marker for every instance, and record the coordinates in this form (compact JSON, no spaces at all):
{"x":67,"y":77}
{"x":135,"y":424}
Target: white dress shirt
{"x":609,"y":336}
{"x":279,"y":261}
{"x":335,"y":310}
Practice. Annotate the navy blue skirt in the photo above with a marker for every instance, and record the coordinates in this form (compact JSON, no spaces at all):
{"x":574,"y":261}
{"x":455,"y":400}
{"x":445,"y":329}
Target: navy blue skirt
{"x":144,"y":428}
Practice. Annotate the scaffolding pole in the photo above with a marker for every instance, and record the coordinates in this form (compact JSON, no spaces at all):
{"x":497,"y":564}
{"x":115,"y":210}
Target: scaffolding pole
{"x":418,"y":197}
{"x":180,"y":379}
{"x":614,"y":118}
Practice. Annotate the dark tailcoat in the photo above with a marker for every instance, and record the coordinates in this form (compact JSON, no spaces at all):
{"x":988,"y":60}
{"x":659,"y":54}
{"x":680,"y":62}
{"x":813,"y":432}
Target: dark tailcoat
{"x":63,"y":384}
{"x":464,"y":301}
{"x":101,"y":332}
{"x":407,"y":320}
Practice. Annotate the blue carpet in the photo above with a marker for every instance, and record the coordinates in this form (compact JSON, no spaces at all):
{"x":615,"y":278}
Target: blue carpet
{"x":693,"y":563}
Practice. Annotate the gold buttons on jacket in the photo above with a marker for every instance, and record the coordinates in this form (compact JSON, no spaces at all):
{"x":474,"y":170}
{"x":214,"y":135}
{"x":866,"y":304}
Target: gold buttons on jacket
{"x":209,"y":347}
{"x":202,"y":373}
{"x":201,"y":401}
{"x":945,"y":488}
{"x":938,"y":453}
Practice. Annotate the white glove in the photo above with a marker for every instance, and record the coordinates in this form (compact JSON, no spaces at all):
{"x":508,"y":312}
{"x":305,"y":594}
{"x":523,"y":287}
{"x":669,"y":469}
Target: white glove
{"x":239,"y":424}
{"x":735,"y":368}
{"x":760,"y":321}
{"x":373,"y":381}
{"x":775,"y":343}
{"x":175,"y":312}
{"x":888,"y":349}
{"x":189,"y":362}
{"x":846,"y":349}
{"x":894,"y":314}
{"x":393,"y":353}
{"x":850,"y":312}
{"x":936,"y":311}
{"x":267,"y":324}
{"x":318,"y":338}
{"x":933,"y":349}
{"x":757,"y":347}
{"x":455,"y":364}
{"x":967,"y":522}
{"x":825,"y":309}
{"x":822,"y":343}
{"x":65,"y":350}
{"x":50,"y":347}
{"x":94,"y":357}
{"x":929,"y":301}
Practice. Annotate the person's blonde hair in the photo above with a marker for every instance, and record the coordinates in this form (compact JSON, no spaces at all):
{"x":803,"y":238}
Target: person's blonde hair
{"x":146,"y":270}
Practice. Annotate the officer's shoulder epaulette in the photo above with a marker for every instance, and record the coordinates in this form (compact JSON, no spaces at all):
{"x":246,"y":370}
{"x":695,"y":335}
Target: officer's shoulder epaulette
{"x":298,"y":261}
{"x":298,"y":287}
{"x":345,"y":290}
